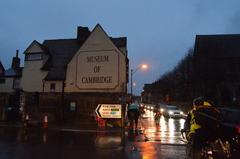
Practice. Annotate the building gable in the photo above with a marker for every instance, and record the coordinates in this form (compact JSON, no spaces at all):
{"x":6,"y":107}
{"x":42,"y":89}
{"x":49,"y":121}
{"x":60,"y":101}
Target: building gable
{"x":34,"y":47}
{"x":98,"y":40}
{"x":98,"y":65}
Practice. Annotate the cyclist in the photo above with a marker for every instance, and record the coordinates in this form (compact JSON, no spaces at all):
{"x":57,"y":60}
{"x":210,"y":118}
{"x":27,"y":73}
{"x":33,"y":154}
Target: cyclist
{"x":202,"y":124}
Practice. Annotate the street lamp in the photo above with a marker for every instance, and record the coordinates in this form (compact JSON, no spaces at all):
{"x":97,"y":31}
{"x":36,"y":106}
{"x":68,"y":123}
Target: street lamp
{"x":143,"y":66}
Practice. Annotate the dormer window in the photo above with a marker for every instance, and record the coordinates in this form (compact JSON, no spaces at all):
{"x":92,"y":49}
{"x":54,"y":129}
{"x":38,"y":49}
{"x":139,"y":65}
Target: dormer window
{"x":33,"y":57}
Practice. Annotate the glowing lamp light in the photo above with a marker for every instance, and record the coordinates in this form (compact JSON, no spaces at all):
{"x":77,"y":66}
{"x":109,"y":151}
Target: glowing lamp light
{"x":144,"y":66}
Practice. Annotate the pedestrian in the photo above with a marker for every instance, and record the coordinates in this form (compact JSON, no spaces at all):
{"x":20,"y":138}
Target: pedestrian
{"x":133,"y":115}
{"x":157,"y":117}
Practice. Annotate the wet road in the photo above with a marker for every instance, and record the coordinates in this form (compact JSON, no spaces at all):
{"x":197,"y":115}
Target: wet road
{"x":152,"y":142}
{"x":16,"y":143}
{"x":167,"y":132}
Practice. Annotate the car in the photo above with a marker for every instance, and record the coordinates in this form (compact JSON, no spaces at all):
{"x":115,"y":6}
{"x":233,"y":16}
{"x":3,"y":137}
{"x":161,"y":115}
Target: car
{"x":160,"y":107}
{"x":230,"y":120}
{"x":230,"y":128}
{"x":172,"y":111}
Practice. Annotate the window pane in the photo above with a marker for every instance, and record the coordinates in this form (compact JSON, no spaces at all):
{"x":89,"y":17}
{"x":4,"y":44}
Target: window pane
{"x":52,"y":86}
{"x":34,"y":57}
{"x":16,"y":83}
{"x":2,"y":80}
{"x":72,"y":106}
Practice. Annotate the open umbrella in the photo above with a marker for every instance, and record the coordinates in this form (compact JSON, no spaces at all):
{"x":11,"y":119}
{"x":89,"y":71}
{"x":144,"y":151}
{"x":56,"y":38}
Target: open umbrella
{"x":133,"y":106}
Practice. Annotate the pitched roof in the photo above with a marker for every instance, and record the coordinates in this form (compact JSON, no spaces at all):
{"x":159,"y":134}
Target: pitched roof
{"x":45,"y":49}
{"x":120,"y":42}
{"x":13,"y":72}
{"x":61,"y":52}
{"x":221,"y":46}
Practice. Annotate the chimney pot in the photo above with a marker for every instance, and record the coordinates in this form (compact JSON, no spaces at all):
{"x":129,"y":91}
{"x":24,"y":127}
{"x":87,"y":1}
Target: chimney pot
{"x":16,"y":61}
{"x":16,"y":53}
{"x":82,"y":33}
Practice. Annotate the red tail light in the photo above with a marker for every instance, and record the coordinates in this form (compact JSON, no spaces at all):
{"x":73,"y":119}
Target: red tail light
{"x":238,"y":128}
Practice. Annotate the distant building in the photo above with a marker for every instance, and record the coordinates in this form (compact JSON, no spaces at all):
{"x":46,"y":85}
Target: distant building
{"x":213,"y":71}
{"x":70,"y":77}
{"x":151,"y":94}
{"x":10,"y":79}
{"x":10,"y":86}
{"x":217,"y":68}
{"x":93,"y":62}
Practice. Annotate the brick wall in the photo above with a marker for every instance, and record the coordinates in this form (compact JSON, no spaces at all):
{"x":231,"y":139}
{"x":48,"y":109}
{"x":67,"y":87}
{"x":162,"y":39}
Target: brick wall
{"x":58,"y":106}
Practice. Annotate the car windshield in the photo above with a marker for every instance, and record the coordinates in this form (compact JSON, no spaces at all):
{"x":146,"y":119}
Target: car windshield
{"x":172,"y":108}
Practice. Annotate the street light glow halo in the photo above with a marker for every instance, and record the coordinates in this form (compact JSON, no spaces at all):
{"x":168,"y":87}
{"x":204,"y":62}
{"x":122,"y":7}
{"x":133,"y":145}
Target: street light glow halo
{"x":144,"y":66}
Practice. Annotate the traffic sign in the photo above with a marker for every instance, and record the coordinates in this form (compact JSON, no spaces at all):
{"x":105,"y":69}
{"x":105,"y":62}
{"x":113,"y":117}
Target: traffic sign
{"x":109,"y":111}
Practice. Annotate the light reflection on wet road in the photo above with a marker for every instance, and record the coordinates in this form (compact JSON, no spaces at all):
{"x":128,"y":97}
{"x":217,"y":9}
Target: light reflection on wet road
{"x":167,"y":132}
{"x":163,"y":141}
{"x":19,"y":143}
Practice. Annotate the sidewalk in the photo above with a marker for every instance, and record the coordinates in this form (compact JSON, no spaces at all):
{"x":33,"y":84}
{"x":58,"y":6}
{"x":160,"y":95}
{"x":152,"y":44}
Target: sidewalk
{"x":10,"y":124}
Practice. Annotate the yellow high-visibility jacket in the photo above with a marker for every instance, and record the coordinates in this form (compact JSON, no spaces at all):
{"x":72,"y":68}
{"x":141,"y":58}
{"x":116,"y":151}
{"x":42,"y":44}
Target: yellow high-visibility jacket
{"x":193,"y":125}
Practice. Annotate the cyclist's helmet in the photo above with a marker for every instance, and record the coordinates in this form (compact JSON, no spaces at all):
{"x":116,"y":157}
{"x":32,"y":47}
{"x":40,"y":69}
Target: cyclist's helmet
{"x":198,"y":101}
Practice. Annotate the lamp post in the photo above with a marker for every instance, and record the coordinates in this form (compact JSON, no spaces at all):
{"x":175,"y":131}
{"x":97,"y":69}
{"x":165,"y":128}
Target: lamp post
{"x":143,"y":66}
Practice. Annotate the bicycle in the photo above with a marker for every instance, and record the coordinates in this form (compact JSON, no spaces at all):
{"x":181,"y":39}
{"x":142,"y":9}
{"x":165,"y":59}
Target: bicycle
{"x":210,"y":149}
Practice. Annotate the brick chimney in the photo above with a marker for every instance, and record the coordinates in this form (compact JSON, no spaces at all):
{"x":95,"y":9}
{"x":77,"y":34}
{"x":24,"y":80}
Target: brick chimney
{"x":82,"y":33}
{"x":16,"y":61}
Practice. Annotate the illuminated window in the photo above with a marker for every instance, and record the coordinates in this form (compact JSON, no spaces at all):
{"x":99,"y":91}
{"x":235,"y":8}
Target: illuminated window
{"x":73,"y":106}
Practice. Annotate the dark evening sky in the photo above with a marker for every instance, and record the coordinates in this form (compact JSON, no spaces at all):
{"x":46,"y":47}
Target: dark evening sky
{"x":159,"y":32}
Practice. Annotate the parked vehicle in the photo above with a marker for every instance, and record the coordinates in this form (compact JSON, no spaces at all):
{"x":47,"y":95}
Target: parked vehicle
{"x":230,"y":128}
{"x":171,"y":111}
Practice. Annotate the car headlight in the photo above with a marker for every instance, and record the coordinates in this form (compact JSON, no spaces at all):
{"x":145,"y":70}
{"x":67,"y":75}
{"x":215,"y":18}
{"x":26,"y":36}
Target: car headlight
{"x":161,"y":110}
{"x":170,"y":112}
{"x":181,"y":113}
